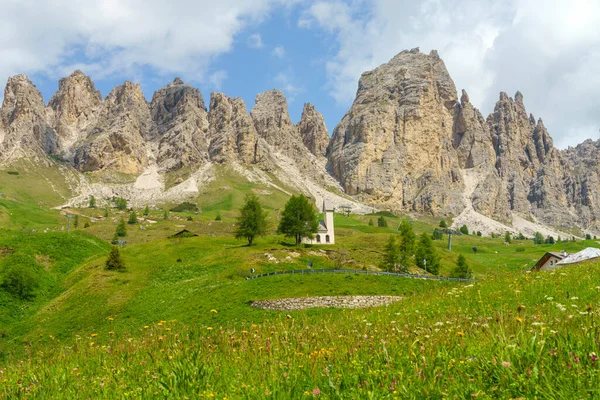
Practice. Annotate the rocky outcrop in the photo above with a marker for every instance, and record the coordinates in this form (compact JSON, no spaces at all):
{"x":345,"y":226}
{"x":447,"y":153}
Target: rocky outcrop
{"x":313,"y":131}
{"x":394,"y":147}
{"x":471,"y":137}
{"x":232,"y":134}
{"x":180,"y":125}
{"x":24,"y":127}
{"x":74,"y":108}
{"x":326,"y":302}
{"x":118,"y":140}
{"x":272,"y":120}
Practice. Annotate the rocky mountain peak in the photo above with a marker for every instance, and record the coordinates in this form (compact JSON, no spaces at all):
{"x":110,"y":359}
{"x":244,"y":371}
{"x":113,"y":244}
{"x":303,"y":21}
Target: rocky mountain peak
{"x":175,"y":103}
{"x":23,"y":124}
{"x":232,"y":134}
{"x":74,"y":106}
{"x":394,"y":144}
{"x":21,"y":100}
{"x":519,"y":97}
{"x":272,"y":120}
{"x":464,"y":98}
{"x":271,"y":109}
{"x":128,"y":95}
{"x":313,"y":130}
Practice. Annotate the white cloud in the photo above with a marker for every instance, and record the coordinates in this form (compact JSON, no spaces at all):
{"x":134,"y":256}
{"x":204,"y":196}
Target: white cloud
{"x":284,"y":82}
{"x":548,"y":52}
{"x":115,"y":36}
{"x":217,"y":78}
{"x":279,"y":52}
{"x":255,"y":41}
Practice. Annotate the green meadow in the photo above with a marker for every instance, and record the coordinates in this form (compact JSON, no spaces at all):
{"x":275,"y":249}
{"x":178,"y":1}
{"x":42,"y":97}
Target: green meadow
{"x":178,"y":322}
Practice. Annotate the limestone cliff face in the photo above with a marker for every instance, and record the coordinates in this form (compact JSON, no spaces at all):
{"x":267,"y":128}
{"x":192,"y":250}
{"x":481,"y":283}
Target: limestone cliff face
{"x":74,"y":108}
{"x":232,"y":134}
{"x":180,"y":124}
{"x":407,"y":143}
{"x":471,"y":137}
{"x":395,"y":145}
{"x":313,"y":130}
{"x":117,"y":141}
{"x":24,"y":127}
{"x":406,"y":139}
{"x":272,"y":120}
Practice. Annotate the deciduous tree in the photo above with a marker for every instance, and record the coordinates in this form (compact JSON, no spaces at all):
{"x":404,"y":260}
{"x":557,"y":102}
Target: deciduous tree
{"x":252,"y":221}
{"x":299,"y":219}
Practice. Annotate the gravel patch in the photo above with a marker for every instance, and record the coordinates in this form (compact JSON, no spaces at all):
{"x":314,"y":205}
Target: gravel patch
{"x":326,"y":302}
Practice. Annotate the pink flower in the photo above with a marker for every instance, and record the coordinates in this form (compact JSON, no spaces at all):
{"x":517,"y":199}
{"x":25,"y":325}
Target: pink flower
{"x":593,"y":356}
{"x":506,"y":364}
{"x":316,"y":391}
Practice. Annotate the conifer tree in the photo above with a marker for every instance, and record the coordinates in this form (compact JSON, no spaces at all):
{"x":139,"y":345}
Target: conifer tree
{"x":121,"y":228}
{"x":406,"y":245}
{"x":114,"y":261}
{"x":426,"y":255}
{"x":132,"y":218}
{"x":462,"y":268}
{"x":252,"y":221}
{"x":391,"y":258}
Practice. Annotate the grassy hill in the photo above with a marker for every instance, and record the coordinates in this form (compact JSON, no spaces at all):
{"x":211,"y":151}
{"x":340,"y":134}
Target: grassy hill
{"x":178,"y":322}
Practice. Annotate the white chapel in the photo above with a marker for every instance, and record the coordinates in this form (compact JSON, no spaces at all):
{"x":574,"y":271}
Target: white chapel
{"x":326,"y":232}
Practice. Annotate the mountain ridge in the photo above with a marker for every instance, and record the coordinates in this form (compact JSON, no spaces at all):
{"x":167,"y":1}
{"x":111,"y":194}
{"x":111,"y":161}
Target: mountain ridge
{"x":405,"y":144}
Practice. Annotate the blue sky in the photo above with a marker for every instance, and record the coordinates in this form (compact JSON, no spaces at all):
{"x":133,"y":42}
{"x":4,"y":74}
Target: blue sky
{"x":315,"y":50}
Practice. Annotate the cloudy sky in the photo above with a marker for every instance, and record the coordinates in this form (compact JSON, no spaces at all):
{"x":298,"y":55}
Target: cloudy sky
{"x":315,"y":51}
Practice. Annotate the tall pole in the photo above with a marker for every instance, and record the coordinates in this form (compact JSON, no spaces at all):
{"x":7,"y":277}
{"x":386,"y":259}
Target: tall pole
{"x":450,"y":240}
{"x":425,"y":265}
{"x":69,"y":216}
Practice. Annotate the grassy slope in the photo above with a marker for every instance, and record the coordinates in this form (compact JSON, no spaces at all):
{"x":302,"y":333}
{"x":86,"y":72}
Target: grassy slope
{"x":518,"y":335}
{"x":78,"y":299}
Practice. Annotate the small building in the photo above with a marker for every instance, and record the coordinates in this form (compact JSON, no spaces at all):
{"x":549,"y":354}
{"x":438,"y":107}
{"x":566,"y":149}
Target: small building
{"x":585,"y":255}
{"x":326,"y":232}
{"x":182,"y":234}
{"x":549,"y":261}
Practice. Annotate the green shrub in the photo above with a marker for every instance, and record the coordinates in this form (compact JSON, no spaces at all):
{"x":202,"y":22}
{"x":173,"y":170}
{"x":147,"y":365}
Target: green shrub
{"x":218,"y":217}
{"x":12,"y":173}
{"x":443,"y":224}
{"x":520,"y":249}
{"x":437,"y":234}
{"x":120,"y":203}
{"x":185,"y":207}
{"x":19,"y":282}
{"x":464,"y":230}
{"x":385,"y":214}
{"x":382,"y":222}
